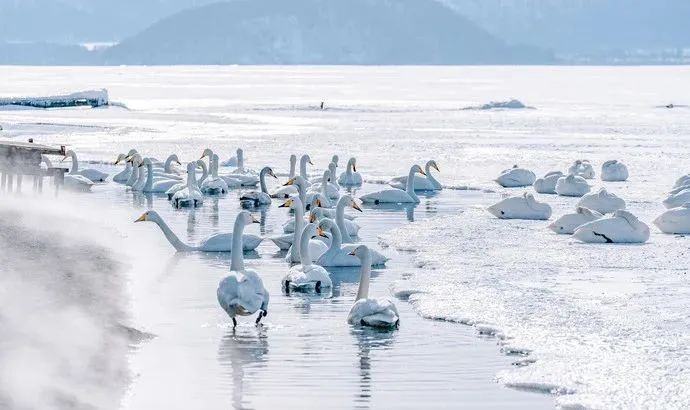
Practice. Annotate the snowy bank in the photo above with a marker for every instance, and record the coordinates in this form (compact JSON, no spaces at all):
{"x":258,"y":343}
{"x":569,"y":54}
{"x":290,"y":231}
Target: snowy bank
{"x":92,"y":98}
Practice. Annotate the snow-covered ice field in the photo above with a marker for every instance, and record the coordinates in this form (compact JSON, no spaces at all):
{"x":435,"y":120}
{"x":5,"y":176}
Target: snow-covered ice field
{"x":601,"y":326}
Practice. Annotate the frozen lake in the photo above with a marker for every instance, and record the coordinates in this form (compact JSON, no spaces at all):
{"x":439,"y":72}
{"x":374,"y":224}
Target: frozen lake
{"x":599,"y":326}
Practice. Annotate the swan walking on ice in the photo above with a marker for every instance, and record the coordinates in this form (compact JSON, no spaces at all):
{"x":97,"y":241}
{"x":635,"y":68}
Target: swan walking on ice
{"x":367,"y":311}
{"x":242,"y":293}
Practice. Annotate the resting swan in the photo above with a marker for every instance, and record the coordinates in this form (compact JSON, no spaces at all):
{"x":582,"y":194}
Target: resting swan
{"x":547,"y":185}
{"x":366,"y":311}
{"x":582,"y":168}
{"x":521,"y":207}
{"x":675,"y":220}
{"x":602,"y":201}
{"x":350,"y":177}
{"x":568,"y":223}
{"x":677,"y":199}
{"x":242,"y":292}
{"x":338,"y":254}
{"x":394,"y":195}
{"x":260,"y":198}
{"x":221,"y":242}
{"x":621,"y":227}
{"x":92,"y":174}
{"x":516,"y":177}
{"x":572,"y":185}
{"x":306,"y":276}
{"x":421,"y":183}
{"x":614,"y":171}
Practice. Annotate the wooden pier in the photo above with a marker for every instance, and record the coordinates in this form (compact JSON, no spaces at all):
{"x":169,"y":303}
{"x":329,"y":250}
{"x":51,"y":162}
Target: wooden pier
{"x":19,"y":159}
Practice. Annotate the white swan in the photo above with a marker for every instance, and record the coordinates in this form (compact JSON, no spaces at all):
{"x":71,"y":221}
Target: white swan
{"x":135,"y":161}
{"x":320,"y":191}
{"x":547,"y":184}
{"x":350,"y":177}
{"x":394,"y":195}
{"x":232,"y":161}
{"x":306,"y":276}
{"x":621,"y":227}
{"x":684,"y":180}
{"x":123,"y":175}
{"x":234,"y":179}
{"x":568,"y":223}
{"x":582,"y":168}
{"x":303,"y":161}
{"x":76,"y":183}
{"x":347,"y":227}
{"x":572,"y":185}
{"x":602,"y":201}
{"x":262,"y":197}
{"x":516,"y":177}
{"x":93,"y":174}
{"x":613,"y":171}
{"x":679,"y":189}
{"x":142,"y":176}
{"x":675,"y":220}
{"x":286,"y":241}
{"x":286,"y":191}
{"x":421,"y":183}
{"x":161,"y":185}
{"x":338,"y":254}
{"x":366,"y":311}
{"x":331,"y":190}
{"x":677,"y":199}
{"x":521,"y":207}
{"x":220,"y":242}
{"x":190,"y":195}
{"x":241,"y":170}
{"x":213,"y":185}
{"x":242,"y":292}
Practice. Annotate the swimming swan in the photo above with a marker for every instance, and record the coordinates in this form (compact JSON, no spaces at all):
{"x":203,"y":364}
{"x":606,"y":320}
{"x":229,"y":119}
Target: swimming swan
{"x":614,"y":171}
{"x":621,"y":227}
{"x":190,"y":195}
{"x":547,"y":184}
{"x":213,"y":185}
{"x":306,"y":276}
{"x":123,"y":175}
{"x":262,"y":197}
{"x":286,"y":241}
{"x":602,"y":201}
{"x":675,"y":220}
{"x":220,"y":242}
{"x":92,"y":174}
{"x":568,"y":223}
{"x":572,"y":185}
{"x":521,"y":207}
{"x":350,"y":177}
{"x":516,"y":177}
{"x":242,"y":292}
{"x":366,"y":311}
{"x":421,"y":183}
{"x":338,"y":254}
{"x":394,"y":195}
{"x":75,"y":183}
{"x":286,"y":191}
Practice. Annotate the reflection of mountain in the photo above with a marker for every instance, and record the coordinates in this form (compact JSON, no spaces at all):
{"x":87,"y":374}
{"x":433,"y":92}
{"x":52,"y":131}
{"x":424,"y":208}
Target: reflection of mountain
{"x":237,"y":353}
{"x":318,"y":32}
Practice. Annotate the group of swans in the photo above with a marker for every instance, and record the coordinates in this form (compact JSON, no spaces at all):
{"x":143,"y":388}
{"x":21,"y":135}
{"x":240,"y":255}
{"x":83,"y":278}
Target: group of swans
{"x":676,"y":219}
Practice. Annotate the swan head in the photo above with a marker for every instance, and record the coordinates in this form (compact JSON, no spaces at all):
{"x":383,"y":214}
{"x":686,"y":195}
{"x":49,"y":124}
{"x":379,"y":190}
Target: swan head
{"x":148,"y":216}
{"x":298,"y":181}
{"x":287,"y":204}
{"x":191,"y":167}
{"x":335,"y":159}
{"x":68,"y":154}
{"x":174,"y":158}
{"x":135,"y":159}
{"x":247,"y":218}
{"x":418,"y":169}
{"x":361,"y":251}
{"x":326,"y":224}
{"x":146,"y":162}
{"x":353,"y":162}
{"x":269,"y":171}
{"x":199,"y":164}
{"x":349,"y":201}
{"x":293,"y":159}
{"x":207,"y":153}
{"x":239,"y":152}
{"x":307,"y":159}
{"x":131,"y":152}
{"x":120,"y":158}
{"x":434,"y":165}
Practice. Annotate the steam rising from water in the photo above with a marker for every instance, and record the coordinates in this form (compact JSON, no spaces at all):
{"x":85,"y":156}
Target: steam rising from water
{"x":61,"y":306}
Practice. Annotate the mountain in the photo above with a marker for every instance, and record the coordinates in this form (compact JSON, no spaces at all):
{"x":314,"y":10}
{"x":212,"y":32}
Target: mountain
{"x":319,"y":32}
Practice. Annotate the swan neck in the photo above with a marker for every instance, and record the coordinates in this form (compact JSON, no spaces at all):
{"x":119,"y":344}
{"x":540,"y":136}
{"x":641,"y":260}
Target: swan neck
{"x":337,"y":240}
{"x":364,"y":277}
{"x":348,"y":171}
{"x":171,"y":237}
{"x":299,"y":224}
{"x":214,"y":167}
{"x":237,"y":262}
{"x":303,"y":168}
{"x":166,"y":166}
{"x":340,"y":221}
{"x":149,"y":177}
{"x":293,"y":163}
{"x":240,"y":160}
{"x":191,"y":180}
{"x":304,"y":255}
{"x":302,"y":195}
{"x":430,"y":176}
{"x":75,"y":162}
{"x":262,"y":181}
{"x":204,"y":173}
{"x":410,"y":185}
{"x":49,"y":163}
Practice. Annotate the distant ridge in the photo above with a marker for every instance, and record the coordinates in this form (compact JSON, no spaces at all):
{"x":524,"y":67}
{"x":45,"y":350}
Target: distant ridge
{"x":319,"y":32}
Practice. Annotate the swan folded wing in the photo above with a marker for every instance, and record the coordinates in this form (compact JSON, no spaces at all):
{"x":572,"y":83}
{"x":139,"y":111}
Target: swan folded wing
{"x":387,"y":195}
{"x":373,"y":312}
{"x":250,"y":291}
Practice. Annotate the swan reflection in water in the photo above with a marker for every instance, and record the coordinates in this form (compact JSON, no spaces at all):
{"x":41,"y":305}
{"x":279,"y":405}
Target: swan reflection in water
{"x":239,"y":351}
{"x":390,"y":208}
{"x":369,"y":341}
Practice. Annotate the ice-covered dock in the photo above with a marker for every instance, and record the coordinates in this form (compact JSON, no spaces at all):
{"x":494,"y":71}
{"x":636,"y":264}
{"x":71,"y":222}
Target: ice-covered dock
{"x":92,"y":98}
{"x":19,"y":159}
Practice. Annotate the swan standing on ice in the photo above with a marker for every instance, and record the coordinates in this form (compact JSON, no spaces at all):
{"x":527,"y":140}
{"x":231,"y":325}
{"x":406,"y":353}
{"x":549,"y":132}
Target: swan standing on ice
{"x":93,"y":174}
{"x":261,"y":198}
{"x":221,"y":242}
{"x":677,"y":199}
{"x":306,"y":276}
{"x":75,"y":183}
{"x":614,"y":171}
{"x":521,"y":207}
{"x":421,"y":183}
{"x":675,"y":220}
{"x":350,"y":177}
{"x":602,"y":201}
{"x":394,"y":195}
{"x":338,"y":254}
{"x":286,"y":191}
{"x":190,"y":195}
{"x":366,"y":311}
{"x":568,"y":223}
{"x":582,"y":168}
{"x":123,"y":175}
{"x":547,"y":185}
{"x":242,"y":292}
{"x":572,"y":185}
{"x":516,"y":177}
{"x":213,"y":185}
{"x":621,"y":227}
